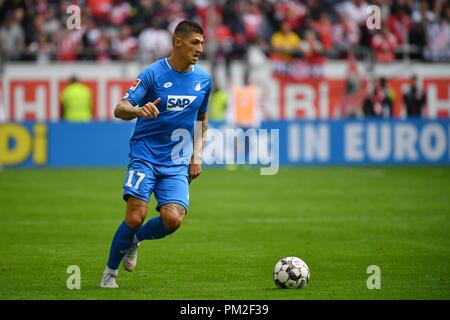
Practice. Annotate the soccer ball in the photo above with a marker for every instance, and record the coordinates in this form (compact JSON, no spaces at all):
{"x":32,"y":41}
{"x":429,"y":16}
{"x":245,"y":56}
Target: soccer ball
{"x":291,"y":273}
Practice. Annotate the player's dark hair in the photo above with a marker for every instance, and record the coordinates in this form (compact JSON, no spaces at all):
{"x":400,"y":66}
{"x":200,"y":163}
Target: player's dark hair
{"x":186,"y":27}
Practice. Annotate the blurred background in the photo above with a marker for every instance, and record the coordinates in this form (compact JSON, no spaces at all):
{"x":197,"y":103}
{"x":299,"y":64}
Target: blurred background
{"x":292,"y":60}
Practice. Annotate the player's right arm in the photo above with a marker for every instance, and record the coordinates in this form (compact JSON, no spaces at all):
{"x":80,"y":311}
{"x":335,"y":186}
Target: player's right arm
{"x":134,"y":103}
{"x":126,"y":111}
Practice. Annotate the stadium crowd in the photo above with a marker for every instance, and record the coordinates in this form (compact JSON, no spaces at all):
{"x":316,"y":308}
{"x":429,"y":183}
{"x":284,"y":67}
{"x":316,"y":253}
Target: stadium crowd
{"x":35,"y":30}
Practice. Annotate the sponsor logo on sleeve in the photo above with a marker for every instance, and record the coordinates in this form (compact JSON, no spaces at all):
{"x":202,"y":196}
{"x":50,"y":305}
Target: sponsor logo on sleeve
{"x":135,"y":84}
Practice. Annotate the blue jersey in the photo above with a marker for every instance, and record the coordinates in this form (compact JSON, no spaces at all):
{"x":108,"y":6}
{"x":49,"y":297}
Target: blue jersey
{"x":183,"y":95}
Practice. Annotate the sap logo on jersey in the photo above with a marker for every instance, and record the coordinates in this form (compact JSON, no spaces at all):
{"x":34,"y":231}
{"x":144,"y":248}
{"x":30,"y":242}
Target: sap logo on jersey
{"x":177,"y":103}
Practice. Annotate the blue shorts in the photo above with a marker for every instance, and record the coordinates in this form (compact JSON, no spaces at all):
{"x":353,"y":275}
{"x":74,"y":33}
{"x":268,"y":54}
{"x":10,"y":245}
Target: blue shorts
{"x":170,"y":184}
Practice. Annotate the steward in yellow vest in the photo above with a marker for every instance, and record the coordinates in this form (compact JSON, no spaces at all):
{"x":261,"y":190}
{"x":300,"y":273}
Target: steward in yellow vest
{"x":76,"y":100}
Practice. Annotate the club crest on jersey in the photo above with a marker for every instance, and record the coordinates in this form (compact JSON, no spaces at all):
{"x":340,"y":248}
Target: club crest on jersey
{"x":197,"y":86}
{"x":178,"y":103}
{"x":135,"y":84}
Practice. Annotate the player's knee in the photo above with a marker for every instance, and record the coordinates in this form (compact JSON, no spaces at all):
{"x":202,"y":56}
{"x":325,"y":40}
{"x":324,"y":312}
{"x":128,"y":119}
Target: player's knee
{"x":134,"y":221}
{"x":172,"y":216}
{"x":136,"y":212}
{"x":172,"y":222}
{"x":135,"y":217}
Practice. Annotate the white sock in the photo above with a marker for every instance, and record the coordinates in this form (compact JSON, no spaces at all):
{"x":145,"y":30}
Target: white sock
{"x":108,"y":270}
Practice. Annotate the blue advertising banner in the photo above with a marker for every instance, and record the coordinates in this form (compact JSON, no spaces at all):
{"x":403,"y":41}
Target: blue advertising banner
{"x":343,"y":142}
{"x":61,"y":144}
{"x":364,"y":142}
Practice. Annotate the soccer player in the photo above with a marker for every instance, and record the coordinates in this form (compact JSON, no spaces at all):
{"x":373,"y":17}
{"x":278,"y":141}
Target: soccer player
{"x":167,"y":99}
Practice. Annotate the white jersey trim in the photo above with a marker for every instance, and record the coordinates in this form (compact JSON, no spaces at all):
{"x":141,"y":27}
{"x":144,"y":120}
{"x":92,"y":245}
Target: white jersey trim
{"x":168,"y":64}
{"x":170,"y":67}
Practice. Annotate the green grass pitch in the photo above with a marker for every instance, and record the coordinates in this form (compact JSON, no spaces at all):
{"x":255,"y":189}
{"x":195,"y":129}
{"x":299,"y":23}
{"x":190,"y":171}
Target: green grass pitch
{"x":339,"y":220}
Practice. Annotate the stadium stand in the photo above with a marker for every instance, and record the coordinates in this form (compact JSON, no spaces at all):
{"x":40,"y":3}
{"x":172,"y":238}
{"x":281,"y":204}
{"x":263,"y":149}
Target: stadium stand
{"x":33,"y":30}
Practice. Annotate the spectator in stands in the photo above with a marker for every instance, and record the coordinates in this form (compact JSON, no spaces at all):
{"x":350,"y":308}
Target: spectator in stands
{"x":285,"y":42}
{"x":224,"y":40}
{"x":76,"y":101}
{"x":400,"y":24}
{"x":384,"y":45}
{"x":291,"y":11}
{"x":312,"y":52}
{"x":257,"y":53}
{"x":120,"y":12}
{"x":144,"y":12}
{"x":100,"y":9}
{"x":346,"y":34}
{"x":232,"y":12}
{"x":324,"y":29}
{"x":12,"y":38}
{"x":155,"y":42}
{"x":422,"y":13}
{"x":421,"y":17}
{"x":91,"y":35}
{"x":190,"y":9}
{"x":70,"y":45}
{"x":356,"y":11}
{"x":414,"y":99}
{"x":438,"y":40}
{"x":51,"y":23}
{"x":437,"y":9}
{"x":102,"y":48}
{"x":314,"y":9}
{"x":42,"y":49}
{"x":175,"y":15}
{"x":253,"y":21}
{"x":126,"y":45}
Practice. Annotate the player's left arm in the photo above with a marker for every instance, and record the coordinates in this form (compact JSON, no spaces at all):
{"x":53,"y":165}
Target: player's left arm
{"x":201,"y":127}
